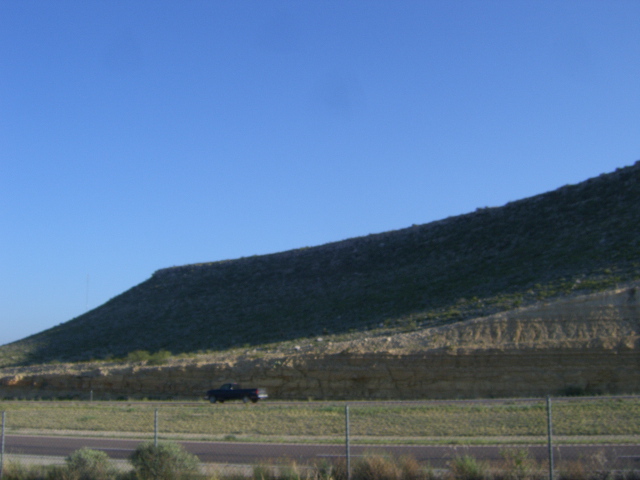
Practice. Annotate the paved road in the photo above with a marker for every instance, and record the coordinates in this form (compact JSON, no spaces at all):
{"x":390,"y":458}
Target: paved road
{"x":621,"y":456}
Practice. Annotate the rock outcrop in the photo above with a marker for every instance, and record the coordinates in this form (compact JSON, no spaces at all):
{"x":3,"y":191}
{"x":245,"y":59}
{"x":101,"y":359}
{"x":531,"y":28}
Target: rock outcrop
{"x":587,"y":344}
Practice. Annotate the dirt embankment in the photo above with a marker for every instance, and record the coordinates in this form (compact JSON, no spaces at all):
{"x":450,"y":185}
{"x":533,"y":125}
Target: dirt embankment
{"x":588,"y":343}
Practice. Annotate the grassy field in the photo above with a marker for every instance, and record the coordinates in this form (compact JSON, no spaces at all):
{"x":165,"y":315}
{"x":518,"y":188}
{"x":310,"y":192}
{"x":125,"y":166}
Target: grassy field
{"x":574,"y":421}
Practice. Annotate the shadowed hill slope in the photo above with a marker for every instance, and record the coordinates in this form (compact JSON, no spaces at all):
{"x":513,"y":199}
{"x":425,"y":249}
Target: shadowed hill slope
{"x":583,"y":237}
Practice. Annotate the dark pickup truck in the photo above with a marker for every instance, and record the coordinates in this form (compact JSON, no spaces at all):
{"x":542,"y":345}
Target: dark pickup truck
{"x":232,"y":391}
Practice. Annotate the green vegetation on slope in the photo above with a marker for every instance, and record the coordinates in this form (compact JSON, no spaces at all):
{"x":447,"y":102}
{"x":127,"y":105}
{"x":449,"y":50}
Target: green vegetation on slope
{"x":579,"y":238}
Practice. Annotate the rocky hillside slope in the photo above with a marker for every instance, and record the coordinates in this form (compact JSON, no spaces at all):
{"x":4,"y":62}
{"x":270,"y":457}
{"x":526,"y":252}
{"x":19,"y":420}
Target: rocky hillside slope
{"x":577,"y":239}
{"x":585,"y":344}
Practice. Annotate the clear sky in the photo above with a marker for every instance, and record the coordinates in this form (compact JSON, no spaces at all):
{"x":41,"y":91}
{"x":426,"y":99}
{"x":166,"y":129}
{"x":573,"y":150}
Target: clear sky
{"x":138,"y":135}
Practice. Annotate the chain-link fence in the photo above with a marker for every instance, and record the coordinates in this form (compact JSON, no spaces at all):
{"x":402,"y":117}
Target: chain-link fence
{"x":548,"y":435}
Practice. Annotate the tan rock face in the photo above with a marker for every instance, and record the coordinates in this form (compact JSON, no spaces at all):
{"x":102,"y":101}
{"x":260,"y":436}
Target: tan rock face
{"x":587,"y":344}
{"x":431,"y":375}
{"x":605,"y":320}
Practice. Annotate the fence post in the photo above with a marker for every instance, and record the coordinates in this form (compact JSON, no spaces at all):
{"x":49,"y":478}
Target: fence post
{"x":2,"y":447}
{"x":549,"y":437}
{"x":155,"y":428}
{"x":348,"y":453}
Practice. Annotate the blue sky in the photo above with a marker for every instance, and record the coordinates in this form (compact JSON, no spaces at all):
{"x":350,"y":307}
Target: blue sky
{"x":138,"y":135}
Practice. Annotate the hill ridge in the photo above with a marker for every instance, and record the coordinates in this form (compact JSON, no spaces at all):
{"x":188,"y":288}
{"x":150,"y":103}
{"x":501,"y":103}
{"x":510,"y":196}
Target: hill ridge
{"x":618,"y":174}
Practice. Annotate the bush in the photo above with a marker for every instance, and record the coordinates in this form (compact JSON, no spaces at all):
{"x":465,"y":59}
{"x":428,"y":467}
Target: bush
{"x":468,"y":468}
{"x":159,"y":358}
{"x":137,"y":356}
{"x":376,"y":468}
{"x":166,"y":461}
{"x":412,"y":470}
{"x":19,"y":471}
{"x":87,"y":464}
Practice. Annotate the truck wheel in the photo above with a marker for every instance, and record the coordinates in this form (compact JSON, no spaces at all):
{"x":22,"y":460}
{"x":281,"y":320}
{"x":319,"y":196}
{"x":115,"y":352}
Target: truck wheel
{"x":245,"y":399}
{"x":254,"y":400}
{"x":213,"y":399}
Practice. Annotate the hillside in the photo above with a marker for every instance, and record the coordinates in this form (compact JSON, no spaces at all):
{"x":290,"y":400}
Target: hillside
{"x":586,"y":344}
{"x":577,"y":239}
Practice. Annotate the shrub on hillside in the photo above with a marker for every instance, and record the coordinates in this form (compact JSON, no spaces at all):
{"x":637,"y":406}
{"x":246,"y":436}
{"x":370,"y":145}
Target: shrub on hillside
{"x":137,"y":356}
{"x":158,"y":358}
{"x":166,"y":461}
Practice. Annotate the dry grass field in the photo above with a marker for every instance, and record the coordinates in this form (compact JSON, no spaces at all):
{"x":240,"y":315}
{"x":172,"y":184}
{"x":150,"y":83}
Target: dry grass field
{"x":575,"y":420}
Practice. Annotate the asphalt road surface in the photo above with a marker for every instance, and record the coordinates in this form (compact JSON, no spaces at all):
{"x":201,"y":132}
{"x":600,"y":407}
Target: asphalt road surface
{"x":237,"y":453}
